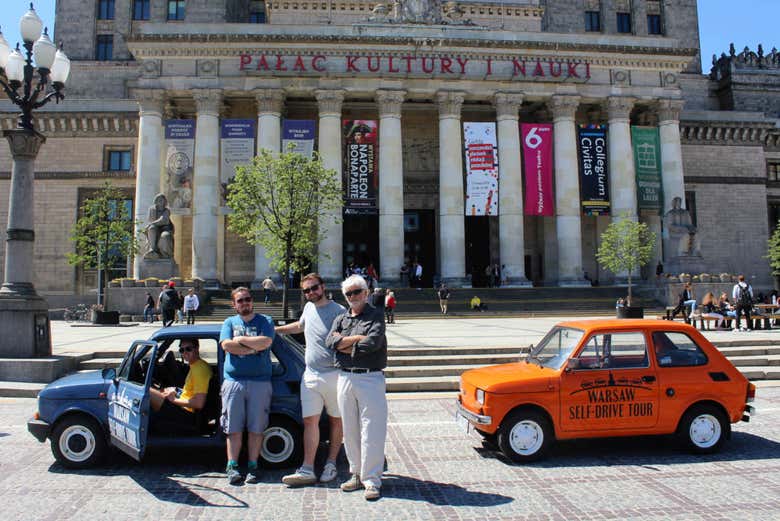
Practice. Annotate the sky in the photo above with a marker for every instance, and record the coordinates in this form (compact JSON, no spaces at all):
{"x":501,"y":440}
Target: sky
{"x":721,"y":22}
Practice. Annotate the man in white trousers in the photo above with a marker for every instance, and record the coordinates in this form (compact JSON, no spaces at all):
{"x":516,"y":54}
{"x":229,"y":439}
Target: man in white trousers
{"x":358,"y":337}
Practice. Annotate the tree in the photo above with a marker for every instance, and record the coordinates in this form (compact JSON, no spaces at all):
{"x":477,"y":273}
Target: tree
{"x":626,"y":245}
{"x":773,"y":250}
{"x":103,"y":234}
{"x":276,"y":202}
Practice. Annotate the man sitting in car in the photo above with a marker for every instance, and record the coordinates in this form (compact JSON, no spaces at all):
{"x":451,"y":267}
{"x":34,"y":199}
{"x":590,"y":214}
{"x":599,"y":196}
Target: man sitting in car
{"x":178,"y":406}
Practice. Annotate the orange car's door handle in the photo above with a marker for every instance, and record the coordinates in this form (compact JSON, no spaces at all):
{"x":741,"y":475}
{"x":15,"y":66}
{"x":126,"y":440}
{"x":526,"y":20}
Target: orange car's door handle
{"x":648,"y":379}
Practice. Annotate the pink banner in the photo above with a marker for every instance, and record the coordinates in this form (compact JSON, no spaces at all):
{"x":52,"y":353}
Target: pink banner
{"x":538,"y":166}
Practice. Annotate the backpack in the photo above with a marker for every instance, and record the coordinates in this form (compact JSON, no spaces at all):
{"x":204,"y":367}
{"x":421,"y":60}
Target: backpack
{"x":169,"y":299}
{"x":745,"y":300}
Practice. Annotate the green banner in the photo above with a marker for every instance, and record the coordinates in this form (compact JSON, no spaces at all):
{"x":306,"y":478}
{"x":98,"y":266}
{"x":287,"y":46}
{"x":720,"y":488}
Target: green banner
{"x":647,"y":162}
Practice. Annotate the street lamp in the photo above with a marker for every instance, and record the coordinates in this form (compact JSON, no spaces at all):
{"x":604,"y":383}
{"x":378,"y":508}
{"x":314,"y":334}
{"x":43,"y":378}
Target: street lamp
{"x":23,"y":313}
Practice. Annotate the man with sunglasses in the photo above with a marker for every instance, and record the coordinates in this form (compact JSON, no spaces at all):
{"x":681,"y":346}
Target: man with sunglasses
{"x":358,"y":339}
{"x":177,"y":406}
{"x":319,"y":381}
{"x":246,"y":386}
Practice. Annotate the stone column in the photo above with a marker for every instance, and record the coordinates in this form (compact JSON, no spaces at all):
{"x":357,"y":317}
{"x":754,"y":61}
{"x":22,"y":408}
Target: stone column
{"x":391,"y":186}
{"x":270,"y":103}
{"x":671,"y":151}
{"x":205,"y":200}
{"x":148,"y":162}
{"x":567,"y":191}
{"x":622,"y":177}
{"x":452,"y":229}
{"x":331,"y":249}
{"x":510,"y":189}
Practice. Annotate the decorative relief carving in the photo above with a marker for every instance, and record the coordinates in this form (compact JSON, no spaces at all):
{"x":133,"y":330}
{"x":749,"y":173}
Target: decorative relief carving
{"x":269,"y":101}
{"x":669,"y":109}
{"x":68,"y":125}
{"x":208,"y":68}
{"x":507,"y":104}
{"x":668,"y":79}
{"x":151,"y":68}
{"x":24,"y":144}
{"x":620,"y":77}
{"x":619,"y":107}
{"x":207,"y":101}
{"x":450,"y":103}
{"x":390,"y":102}
{"x":329,"y":101}
{"x":150,"y":101}
{"x":701,"y":132}
{"x":564,"y":107}
{"x":747,"y":59}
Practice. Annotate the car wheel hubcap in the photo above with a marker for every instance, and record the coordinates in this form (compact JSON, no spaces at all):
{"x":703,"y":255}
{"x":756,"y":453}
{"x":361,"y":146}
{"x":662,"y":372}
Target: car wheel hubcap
{"x":526,"y":437}
{"x":278,"y":444}
{"x":705,"y":431}
{"x":77,"y":443}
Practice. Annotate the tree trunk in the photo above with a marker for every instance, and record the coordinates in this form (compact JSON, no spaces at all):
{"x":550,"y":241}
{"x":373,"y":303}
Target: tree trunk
{"x":285,"y":276}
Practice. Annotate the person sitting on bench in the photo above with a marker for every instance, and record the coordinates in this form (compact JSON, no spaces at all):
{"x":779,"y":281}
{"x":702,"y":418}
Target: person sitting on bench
{"x":477,"y":305}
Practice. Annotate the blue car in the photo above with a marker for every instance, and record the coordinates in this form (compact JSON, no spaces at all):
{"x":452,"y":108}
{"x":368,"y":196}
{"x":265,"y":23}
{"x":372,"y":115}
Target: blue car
{"x":83,"y":414}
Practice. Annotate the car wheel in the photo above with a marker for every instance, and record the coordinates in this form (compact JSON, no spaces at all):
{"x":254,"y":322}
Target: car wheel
{"x":78,"y":442}
{"x":703,"y":429}
{"x":525,"y":436}
{"x":282,"y":443}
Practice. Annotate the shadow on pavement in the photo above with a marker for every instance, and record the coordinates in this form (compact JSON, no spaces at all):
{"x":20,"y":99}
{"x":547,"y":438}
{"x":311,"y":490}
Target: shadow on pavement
{"x":445,"y":494}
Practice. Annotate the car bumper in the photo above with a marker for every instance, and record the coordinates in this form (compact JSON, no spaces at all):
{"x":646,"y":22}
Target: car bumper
{"x":478,"y":419}
{"x":39,"y":428}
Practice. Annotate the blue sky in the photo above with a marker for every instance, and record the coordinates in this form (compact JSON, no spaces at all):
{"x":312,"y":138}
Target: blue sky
{"x":747,"y":22}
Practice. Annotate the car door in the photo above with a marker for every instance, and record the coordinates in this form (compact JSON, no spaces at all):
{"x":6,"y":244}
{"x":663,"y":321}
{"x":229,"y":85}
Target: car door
{"x":610,"y":385}
{"x":128,"y":399}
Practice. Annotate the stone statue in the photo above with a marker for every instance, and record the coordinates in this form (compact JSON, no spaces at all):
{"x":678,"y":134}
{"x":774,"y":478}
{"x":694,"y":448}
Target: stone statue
{"x":159,"y":230}
{"x":680,"y":237}
{"x":418,"y":11}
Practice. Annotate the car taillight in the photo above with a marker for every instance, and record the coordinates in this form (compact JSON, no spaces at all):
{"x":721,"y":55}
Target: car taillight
{"x":37,"y":415}
{"x":751,"y":392}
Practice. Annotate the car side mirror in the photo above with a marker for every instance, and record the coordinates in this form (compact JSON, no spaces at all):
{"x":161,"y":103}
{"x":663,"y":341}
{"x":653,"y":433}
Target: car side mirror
{"x":572,"y":363}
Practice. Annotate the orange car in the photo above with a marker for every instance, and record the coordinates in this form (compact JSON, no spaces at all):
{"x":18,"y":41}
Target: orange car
{"x":604,"y":378}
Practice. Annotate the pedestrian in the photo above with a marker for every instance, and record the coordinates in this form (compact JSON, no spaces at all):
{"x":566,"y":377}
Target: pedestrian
{"x":169,"y":303}
{"x":711,"y":309}
{"x":180,"y":309}
{"x":268,"y":286}
{"x":418,"y":273}
{"x":149,"y":308}
{"x":373,"y":276}
{"x":444,"y":295}
{"x":742,"y":294}
{"x":358,"y":339}
{"x":496,"y":275}
{"x":246,"y":388}
{"x":378,"y":299}
{"x":319,"y":382}
{"x":191,"y":305}
{"x":390,"y":307}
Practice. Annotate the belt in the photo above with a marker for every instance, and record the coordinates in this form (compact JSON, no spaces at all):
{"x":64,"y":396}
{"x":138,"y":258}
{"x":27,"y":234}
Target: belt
{"x":359,"y":370}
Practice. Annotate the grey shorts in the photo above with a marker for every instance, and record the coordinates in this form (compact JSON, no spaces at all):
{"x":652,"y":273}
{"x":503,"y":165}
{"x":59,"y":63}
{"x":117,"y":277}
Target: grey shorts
{"x":245,"y":404}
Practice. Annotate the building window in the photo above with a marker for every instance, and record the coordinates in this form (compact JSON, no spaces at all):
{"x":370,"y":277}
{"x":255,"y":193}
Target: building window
{"x":654,"y":24}
{"x":624,"y":22}
{"x":141,"y":9}
{"x":106,"y":10}
{"x":593,"y":21}
{"x":105,"y":47}
{"x":257,"y":12}
{"x":690,"y":205}
{"x":175,"y":9}
{"x":119,"y":160}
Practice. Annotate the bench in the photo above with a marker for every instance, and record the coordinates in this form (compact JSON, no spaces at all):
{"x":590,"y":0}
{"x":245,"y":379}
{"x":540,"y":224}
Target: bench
{"x":704,"y":322}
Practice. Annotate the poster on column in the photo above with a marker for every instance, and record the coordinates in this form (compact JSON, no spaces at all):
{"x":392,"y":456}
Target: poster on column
{"x":481,"y":168}
{"x":647,"y":162}
{"x":361,"y":164}
{"x":179,"y":155}
{"x":594,"y":175}
{"x":298,"y":134}
{"x":537,"y":141}
{"x":237,"y":147}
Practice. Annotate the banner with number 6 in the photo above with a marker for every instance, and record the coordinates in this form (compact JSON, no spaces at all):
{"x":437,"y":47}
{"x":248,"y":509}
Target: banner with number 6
{"x":538,"y":167}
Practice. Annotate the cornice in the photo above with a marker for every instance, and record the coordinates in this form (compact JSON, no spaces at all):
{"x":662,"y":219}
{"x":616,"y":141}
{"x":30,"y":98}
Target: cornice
{"x":729,"y":133}
{"x":63,"y":124}
{"x":77,"y":175}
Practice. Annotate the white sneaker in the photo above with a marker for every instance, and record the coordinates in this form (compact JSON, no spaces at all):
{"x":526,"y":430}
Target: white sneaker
{"x":300,"y":478}
{"x":329,"y":473}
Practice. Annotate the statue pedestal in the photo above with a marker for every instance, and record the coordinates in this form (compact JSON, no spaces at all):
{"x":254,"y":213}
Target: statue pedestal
{"x":158,"y":268}
{"x":691,"y":264}
{"x":24,"y":321}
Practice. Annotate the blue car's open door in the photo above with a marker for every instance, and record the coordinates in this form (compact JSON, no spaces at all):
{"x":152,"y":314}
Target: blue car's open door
{"x":128,"y":399}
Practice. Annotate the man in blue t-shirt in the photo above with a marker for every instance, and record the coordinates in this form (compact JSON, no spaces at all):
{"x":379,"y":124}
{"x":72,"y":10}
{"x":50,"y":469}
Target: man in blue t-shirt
{"x":246,"y":387}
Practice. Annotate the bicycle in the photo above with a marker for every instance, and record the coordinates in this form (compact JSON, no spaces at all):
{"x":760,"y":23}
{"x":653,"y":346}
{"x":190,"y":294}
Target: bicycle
{"x":77,"y":313}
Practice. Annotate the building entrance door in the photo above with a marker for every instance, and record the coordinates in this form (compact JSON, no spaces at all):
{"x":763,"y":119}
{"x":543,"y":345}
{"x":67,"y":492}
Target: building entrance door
{"x":478,"y":250}
{"x":420,"y":242}
{"x":361,"y":241}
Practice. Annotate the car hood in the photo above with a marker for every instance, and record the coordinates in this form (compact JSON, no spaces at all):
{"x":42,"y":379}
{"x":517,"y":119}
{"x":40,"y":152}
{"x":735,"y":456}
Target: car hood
{"x":86,"y":385}
{"x":518,"y":377}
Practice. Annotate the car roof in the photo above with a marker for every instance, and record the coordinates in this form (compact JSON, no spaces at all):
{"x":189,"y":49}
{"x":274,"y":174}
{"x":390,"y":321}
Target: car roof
{"x":200,"y":330}
{"x":625,"y":324}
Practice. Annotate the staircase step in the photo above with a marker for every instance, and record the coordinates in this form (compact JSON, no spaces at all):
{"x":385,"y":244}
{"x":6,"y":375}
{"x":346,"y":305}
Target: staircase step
{"x":436,"y":360}
{"x":454,"y":351}
{"x":20,"y":389}
{"x":755,"y":361}
{"x":433,"y":383}
{"x":429,"y":371}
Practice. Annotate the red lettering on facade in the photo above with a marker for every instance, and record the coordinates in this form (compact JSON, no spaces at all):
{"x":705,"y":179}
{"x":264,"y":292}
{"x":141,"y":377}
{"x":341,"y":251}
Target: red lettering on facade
{"x":262,"y":64}
{"x":280,"y":63}
{"x":489,"y":66}
{"x":245,"y":60}
{"x":518,"y":67}
{"x":428,"y":69}
{"x":444,"y":64}
{"x":573,"y":70}
{"x":462,"y":64}
{"x":373,"y":68}
{"x":556,"y":69}
{"x":390,"y":67}
{"x":587,"y":70}
{"x":315,"y":63}
{"x":351,"y":63}
{"x":538,"y":71}
{"x":408,"y":60}
{"x":299,"y":66}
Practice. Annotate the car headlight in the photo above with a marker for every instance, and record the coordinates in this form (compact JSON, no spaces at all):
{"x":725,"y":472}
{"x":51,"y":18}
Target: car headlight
{"x":480,"y":396}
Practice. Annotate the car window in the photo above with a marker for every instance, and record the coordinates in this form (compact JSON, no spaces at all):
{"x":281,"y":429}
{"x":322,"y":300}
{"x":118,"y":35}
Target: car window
{"x":135,"y":365}
{"x":673,"y":349}
{"x":555,"y":347}
{"x":614,"y":351}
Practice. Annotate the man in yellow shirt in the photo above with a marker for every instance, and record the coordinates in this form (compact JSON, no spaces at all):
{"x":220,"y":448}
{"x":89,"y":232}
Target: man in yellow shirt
{"x":172,"y":406}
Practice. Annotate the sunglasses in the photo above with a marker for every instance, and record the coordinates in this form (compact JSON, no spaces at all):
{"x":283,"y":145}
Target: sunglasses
{"x":353,"y":292}
{"x":242,"y":300}
{"x":308,"y":290}
{"x":186,"y":349}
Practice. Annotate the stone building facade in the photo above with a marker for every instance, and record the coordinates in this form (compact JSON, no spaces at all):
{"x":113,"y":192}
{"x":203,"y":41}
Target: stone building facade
{"x":421,"y":68}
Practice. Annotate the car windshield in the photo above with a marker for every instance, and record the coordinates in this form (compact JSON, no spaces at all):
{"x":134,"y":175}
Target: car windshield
{"x":555,"y":347}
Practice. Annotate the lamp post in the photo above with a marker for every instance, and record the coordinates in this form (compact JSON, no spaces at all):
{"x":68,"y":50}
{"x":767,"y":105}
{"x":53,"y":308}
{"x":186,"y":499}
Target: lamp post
{"x":23,"y":313}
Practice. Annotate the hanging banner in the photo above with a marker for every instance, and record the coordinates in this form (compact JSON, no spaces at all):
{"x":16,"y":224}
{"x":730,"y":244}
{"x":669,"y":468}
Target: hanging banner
{"x":647,"y":162}
{"x":537,"y":141}
{"x":298,"y":133}
{"x":237,"y":147}
{"x":361,"y":164}
{"x":594,"y":175}
{"x":481,"y":169}
{"x":179,"y":155}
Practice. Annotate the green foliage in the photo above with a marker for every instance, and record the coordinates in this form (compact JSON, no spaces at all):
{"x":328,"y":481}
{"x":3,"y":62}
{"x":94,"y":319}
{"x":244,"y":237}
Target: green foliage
{"x":626,"y":245}
{"x":277,"y":201}
{"x":773,"y":250}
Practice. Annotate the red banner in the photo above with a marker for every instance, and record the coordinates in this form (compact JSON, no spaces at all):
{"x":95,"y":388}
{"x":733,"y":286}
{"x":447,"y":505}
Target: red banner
{"x":538,"y":166}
